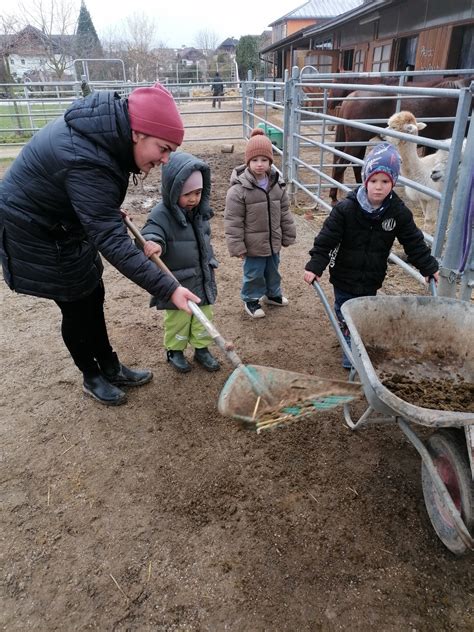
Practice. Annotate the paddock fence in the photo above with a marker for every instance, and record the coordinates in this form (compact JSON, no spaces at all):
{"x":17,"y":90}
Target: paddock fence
{"x":300,"y":115}
{"x":299,"y":112}
{"x":26,"y":108}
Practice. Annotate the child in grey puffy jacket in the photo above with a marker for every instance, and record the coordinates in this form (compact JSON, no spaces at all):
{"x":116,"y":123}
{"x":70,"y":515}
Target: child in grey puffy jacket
{"x":178,"y":230}
{"x":258,"y":222}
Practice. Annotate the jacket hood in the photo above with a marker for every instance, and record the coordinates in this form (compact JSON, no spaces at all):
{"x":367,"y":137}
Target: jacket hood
{"x":103,"y":118}
{"x":173,"y":176}
{"x":242,"y":175}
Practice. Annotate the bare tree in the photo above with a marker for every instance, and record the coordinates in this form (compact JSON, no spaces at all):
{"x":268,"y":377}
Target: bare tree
{"x":8,"y":26}
{"x":206,"y":40}
{"x":55,"y":20}
{"x":142,"y":34}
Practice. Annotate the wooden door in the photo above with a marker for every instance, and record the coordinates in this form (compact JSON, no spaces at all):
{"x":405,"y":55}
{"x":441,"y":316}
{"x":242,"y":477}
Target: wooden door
{"x":433,"y":48}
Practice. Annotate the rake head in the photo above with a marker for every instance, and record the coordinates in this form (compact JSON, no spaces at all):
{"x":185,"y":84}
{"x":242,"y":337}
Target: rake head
{"x":262,"y":398}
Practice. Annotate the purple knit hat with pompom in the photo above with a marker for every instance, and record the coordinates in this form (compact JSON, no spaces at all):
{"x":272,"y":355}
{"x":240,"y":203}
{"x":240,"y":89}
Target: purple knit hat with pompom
{"x":382,"y":158}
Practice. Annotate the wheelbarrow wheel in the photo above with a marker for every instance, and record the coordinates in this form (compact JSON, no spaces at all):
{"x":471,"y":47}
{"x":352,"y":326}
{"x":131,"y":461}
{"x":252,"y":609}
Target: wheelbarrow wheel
{"x":452,"y":462}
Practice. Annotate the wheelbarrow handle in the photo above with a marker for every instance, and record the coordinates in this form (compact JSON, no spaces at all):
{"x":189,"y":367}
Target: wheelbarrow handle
{"x":334,"y":322}
{"x":225,"y":346}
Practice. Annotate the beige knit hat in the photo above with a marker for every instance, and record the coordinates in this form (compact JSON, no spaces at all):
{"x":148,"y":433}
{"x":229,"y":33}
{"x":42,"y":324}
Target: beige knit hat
{"x":258,"y":145}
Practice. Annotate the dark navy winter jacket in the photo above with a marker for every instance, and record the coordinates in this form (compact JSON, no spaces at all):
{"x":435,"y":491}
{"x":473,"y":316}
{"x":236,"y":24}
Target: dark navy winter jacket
{"x":60,"y":206}
{"x":357,"y":247}
{"x":185,"y":237}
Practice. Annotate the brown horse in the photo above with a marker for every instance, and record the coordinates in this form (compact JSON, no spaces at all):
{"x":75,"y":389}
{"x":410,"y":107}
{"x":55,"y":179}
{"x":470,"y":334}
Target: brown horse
{"x":421,"y":107}
{"x":337,"y":94}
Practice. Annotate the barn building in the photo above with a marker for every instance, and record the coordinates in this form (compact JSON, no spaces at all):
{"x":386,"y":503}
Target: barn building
{"x":377,"y":36}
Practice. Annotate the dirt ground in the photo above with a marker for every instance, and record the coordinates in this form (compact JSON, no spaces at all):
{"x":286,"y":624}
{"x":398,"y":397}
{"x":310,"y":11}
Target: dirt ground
{"x":161,"y":515}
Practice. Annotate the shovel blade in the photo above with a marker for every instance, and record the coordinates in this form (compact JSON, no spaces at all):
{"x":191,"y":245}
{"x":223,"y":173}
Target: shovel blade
{"x":264,"y":397}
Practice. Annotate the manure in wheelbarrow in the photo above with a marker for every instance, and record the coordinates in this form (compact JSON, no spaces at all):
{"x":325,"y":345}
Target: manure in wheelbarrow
{"x":430,"y":380}
{"x":436,"y":394}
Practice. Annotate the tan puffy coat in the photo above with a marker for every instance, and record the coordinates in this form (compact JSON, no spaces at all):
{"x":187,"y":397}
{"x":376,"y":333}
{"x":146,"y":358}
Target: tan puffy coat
{"x":257,"y":223}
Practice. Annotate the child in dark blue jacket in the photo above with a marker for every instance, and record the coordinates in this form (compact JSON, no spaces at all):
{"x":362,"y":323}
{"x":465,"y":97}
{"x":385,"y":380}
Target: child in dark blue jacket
{"x":357,"y":236}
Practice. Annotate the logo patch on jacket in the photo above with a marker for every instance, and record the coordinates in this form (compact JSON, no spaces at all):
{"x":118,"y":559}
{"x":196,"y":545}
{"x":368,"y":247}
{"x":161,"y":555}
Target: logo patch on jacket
{"x":333,"y":255}
{"x":389,"y":224}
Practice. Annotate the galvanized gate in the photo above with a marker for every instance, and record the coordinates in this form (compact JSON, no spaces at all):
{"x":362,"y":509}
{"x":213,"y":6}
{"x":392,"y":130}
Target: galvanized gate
{"x":299,"y":117}
{"x":298,"y":113}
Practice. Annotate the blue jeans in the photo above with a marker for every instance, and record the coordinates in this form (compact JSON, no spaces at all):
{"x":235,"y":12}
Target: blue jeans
{"x":261,"y":276}
{"x":340,"y":297}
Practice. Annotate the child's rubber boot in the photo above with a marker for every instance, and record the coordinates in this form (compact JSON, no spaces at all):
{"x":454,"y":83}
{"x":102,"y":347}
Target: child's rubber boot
{"x":206,"y":359}
{"x":178,"y":361}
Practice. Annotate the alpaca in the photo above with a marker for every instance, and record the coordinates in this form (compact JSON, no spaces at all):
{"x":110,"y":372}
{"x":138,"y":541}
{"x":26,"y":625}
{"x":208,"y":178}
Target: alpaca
{"x":418,"y":168}
{"x":438,"y":172}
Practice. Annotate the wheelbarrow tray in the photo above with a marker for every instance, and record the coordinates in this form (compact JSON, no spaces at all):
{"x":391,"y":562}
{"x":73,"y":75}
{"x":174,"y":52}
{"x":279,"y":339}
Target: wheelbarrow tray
{"x":413,"y":328}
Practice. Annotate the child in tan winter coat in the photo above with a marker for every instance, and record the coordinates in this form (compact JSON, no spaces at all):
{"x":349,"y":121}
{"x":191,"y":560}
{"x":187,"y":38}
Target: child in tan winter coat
{"x":258,"y":222}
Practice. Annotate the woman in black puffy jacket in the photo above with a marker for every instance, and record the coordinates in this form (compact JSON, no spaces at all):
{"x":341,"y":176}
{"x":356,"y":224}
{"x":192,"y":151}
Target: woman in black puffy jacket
{"x":60,"y":210}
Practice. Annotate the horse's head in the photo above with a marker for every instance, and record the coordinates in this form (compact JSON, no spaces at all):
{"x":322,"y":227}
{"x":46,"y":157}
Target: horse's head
{"x":335,"y":96}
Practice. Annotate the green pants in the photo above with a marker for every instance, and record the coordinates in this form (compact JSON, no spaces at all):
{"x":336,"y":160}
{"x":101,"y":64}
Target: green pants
{"x":182,"y":329}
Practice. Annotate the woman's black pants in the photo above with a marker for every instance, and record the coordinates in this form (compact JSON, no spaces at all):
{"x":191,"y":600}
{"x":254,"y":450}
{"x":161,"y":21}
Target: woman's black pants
{"x":85,"y":333}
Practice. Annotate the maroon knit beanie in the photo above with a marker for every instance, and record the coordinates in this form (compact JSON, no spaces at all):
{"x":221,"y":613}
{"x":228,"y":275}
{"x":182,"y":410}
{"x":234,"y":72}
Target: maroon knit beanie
{"x":153,"y":111}
{"x":258,"y":145}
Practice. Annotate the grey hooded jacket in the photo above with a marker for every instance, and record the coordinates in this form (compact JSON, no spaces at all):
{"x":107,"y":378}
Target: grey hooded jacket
{"x":185,"y":237}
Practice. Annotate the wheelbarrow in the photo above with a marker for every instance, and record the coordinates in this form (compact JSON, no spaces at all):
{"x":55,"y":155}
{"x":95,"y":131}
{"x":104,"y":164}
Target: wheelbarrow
{"x":261,"y":397}
{"x":414,"y":356}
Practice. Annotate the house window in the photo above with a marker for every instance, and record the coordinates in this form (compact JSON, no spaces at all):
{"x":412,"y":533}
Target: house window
{"x":407,"y":53}
{"x":381,"y":60}
{"x":359,"y":61}
{"x":325,"y":44}
{"x":347,"y":59}
{"x":12,"y":61}
{"x":23,"y":62}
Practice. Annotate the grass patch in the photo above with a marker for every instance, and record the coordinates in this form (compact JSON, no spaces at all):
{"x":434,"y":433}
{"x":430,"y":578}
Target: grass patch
{"x":19,"y":121}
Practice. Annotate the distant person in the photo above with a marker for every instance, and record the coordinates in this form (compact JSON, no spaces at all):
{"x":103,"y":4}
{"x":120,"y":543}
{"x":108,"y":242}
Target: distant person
{"x":217,"y":90}
{"x":60,"y":210}
{"x":86,"y":90}
{"x":257,"y":223}
{"x":178,"y":231}
{"x":357,"y":236}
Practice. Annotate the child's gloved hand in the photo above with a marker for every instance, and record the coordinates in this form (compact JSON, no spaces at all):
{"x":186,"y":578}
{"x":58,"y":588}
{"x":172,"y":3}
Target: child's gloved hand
{"x":152,"y":248}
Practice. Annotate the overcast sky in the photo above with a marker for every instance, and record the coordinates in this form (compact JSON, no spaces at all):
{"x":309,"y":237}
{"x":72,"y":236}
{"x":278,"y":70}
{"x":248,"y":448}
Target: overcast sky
{"x":178,"y":21}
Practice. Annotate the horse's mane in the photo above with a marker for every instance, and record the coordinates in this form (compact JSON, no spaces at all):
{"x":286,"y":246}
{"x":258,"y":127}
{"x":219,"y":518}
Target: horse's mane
{"x":456,"y":82}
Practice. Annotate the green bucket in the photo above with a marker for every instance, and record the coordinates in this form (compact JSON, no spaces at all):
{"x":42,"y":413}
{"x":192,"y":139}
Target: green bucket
{"x":275,"y":136}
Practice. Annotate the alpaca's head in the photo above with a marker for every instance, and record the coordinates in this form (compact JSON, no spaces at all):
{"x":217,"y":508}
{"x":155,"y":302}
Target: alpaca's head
{"x":404,"y":122}
{"x":438,"y":171}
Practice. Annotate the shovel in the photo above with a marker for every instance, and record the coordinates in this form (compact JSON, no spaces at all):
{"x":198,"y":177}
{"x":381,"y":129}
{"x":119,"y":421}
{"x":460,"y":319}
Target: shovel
{"x":263,"y":397}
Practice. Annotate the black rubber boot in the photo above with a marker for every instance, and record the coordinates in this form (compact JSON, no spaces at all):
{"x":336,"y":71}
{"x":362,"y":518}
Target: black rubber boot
{"x":178,"y":361}
{"x":206,"y":359}
{"x":103,"y":391}
{"x":121,"y":375}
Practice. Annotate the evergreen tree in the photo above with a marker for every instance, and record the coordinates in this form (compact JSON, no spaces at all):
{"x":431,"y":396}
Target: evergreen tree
{"x":88,"y":45}
{"x":246,"y":55}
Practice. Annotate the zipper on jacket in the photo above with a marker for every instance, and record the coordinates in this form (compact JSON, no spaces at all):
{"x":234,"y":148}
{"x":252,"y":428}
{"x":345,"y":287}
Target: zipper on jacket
{"x":269,"y":220}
